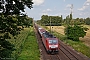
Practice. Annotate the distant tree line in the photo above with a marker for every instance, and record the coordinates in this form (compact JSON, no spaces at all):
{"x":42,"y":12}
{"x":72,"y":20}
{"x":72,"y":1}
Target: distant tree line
{"x":54,"y":20}
{"x":59,"y":20}
{"x":78,"y":21}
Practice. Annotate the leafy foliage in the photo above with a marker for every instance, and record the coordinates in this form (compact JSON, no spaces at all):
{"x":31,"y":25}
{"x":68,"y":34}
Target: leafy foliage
{"x":6,"y":48}
{"x":10,"y":15}
{"x":74,"y":32}
{"x":87,"y":21}
{"x":67,"y":20}
{"x":70,"y":21}
{"x":24,"y":21}
{"x":55,"y":20}
{"x":9,"y":7}
{"x":9,"y":26}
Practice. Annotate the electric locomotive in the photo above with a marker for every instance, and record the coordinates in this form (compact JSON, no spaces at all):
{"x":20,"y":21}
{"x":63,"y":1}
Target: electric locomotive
{"x":50,"y":42}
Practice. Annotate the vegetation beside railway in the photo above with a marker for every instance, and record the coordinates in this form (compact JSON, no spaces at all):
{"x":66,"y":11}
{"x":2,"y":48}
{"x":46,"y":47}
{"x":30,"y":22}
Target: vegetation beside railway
{"x":73,"y":32}
{"x":19,"y":42}
{"x":30,"y":50}
{"x":12,"y":16}
{"x":11,"y":33}
{"x":76,"y":45}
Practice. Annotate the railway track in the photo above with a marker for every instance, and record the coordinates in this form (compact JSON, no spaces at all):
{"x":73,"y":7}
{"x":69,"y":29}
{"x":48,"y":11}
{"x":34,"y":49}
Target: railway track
{"x":71,"y":54}
{"x":65,"y":53}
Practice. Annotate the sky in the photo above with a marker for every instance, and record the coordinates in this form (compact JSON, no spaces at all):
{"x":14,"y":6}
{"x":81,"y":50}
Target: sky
{"x":80,"y":8}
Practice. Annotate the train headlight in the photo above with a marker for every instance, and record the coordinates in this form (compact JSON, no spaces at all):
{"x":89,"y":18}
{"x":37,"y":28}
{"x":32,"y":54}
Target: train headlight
{"x":53,"y":46}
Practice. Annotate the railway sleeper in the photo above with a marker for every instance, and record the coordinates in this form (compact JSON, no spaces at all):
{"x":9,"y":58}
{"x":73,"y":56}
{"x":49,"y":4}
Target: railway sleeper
{"x":52,"y":51}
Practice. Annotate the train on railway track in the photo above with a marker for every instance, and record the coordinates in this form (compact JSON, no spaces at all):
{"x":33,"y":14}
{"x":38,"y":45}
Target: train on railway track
{"x":49,"y":41}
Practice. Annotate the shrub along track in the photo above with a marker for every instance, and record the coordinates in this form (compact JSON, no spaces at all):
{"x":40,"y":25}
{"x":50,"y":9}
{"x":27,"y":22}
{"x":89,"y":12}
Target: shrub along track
{"x":65,"y":52}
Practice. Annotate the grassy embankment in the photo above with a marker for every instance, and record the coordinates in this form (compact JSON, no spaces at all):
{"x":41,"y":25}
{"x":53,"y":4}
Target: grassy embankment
{"x":30,"y":50}
{"x":18,"y":42}
{"x":25,"y":45}
{"x":77,"y":45}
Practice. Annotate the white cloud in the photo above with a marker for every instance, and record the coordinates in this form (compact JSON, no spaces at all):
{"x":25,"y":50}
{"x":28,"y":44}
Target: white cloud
{"x":81,"y":14}
{"x":64,"y":0}
{"x":85,"y":5}
{"x":44,"y":14}
{"x":38,"y":2}
{"x":83,"y":8}
{"x":88,"y":0}
{"x":57,"y":14}
{"x":68,"y":6}
{"x":47,"y":10}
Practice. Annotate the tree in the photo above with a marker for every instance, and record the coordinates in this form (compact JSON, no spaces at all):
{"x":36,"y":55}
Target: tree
{"x":27,"y":21}
{"x":9,"y":10}
{"x":67,"y":20}
{"x":70,"y":16}
{"x":55,"y":20}
{"x":9,"y":7}
{"x":74,"y":32}
{"x":87,"y":21}
{"x":45,"y":20}
{"x":7,"y":27}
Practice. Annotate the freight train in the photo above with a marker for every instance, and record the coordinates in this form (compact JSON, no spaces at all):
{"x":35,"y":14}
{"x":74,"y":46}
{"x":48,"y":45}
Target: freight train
{"x":49,"y":41}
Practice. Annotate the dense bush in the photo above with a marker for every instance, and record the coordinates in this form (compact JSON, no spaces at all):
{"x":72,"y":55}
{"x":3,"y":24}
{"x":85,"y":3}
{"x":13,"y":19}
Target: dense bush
{"x":74,"y":32}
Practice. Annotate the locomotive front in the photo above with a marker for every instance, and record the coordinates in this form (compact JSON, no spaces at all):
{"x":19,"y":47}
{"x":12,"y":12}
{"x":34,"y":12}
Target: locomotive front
{"x":53,"y":45}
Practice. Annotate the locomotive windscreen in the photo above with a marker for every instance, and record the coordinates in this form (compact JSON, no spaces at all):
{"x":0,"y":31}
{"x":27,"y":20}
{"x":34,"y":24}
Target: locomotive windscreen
{"x":53,"y":41}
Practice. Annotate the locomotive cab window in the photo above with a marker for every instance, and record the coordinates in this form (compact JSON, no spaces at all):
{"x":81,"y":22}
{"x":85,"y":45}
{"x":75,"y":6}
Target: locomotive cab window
{"x":53,"y":41}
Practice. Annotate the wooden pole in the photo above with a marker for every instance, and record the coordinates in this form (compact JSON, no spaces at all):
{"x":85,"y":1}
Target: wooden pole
{"x":50,"y":24}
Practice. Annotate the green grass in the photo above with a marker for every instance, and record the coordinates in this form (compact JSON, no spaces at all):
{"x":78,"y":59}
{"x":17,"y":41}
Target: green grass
{"x":18,"y":42}
{"x":77,"y":45}
{"x":30,"y":49}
